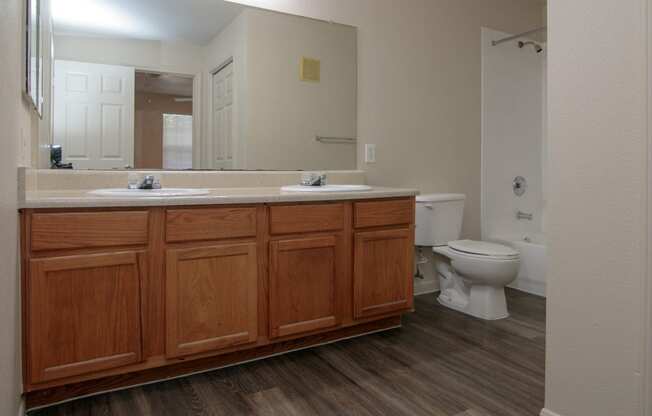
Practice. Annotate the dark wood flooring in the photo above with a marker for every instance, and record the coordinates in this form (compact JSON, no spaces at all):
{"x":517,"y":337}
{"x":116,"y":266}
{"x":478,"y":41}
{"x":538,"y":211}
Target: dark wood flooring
{"x":440,"y":363}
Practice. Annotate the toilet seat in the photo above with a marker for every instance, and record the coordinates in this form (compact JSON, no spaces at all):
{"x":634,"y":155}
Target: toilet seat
{"x":484,"y":249}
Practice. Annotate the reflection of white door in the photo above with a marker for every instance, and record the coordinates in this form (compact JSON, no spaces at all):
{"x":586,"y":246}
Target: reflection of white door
{"x":94,"y":114}
{"x":223,"y":118}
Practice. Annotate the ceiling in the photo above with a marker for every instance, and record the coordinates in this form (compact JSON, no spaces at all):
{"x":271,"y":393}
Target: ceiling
{"x":163,"y":84}
{"x":194,"y":21}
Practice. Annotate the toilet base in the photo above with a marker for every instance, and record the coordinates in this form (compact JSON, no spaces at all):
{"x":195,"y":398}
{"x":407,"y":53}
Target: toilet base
{"x":484,"y":302}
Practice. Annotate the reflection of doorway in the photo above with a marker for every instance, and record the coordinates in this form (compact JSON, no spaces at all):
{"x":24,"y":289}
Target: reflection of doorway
{"x":223,"y":117}
{"x":158,"y":95}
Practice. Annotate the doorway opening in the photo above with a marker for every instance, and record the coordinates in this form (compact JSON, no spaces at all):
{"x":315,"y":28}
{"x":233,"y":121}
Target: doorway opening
{"x":163,"y":121}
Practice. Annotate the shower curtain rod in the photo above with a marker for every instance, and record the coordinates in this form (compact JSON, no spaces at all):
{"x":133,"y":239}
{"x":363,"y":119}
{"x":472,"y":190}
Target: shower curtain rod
{"x":520,"y":35}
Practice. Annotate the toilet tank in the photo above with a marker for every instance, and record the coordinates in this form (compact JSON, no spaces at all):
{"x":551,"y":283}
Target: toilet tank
{"x":438,"y":219}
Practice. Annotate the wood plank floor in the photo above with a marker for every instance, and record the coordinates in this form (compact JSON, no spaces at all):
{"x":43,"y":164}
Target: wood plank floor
{"x":440,"y":363}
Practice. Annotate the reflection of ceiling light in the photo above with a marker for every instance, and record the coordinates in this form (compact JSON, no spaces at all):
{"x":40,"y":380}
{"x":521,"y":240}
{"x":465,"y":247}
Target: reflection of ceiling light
{"x":95,"y":16}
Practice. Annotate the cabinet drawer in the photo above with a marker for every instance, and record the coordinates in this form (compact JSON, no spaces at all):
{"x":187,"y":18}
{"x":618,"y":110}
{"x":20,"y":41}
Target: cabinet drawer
{"x":380,"y":213}
{"x":289,"y":219}
{"x":210,"y":224}
{"x":58,"y":231}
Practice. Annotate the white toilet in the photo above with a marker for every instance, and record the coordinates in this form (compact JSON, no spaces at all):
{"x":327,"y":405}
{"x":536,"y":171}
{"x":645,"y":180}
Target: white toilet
{"x":472,"y":274}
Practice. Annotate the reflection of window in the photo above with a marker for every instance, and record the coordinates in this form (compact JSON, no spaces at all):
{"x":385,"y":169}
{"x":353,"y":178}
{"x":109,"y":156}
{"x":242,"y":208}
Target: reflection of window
{"x":177,"y":141}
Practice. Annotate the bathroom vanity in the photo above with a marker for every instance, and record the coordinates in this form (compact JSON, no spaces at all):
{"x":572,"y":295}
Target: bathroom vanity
{"x":118,"y":293}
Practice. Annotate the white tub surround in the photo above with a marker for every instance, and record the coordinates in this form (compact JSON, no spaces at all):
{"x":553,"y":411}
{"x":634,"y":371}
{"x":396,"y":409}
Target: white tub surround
{"x":532,"y":273}
{"x":514,"y":145}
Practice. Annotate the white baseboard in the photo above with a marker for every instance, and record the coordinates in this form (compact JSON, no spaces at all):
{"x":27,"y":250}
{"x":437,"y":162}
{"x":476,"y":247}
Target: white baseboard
{"x":421,"y":287}
{"x":546,"y":412}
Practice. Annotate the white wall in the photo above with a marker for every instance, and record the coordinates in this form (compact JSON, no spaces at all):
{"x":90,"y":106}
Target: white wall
{"x":512,"y":136}
{"x":597,"y":222}
{"x":19,"y":125}
{"x":513,"y":145}
{"x":419,"y":85}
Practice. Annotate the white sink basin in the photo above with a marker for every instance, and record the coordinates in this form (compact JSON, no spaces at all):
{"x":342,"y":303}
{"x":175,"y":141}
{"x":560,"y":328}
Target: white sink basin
{"x":149,"y":193}
{"x":326,"y":188}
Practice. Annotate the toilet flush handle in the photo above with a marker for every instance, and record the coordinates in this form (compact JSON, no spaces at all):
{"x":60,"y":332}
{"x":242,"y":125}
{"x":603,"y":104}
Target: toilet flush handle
{"x":428,"y":206}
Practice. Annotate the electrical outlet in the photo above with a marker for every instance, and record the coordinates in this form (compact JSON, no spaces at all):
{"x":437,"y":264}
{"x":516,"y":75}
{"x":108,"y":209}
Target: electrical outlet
{"x":370,"y":153}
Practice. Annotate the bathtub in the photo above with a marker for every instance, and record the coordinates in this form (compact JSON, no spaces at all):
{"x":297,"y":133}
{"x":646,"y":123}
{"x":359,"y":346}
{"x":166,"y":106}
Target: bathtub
{"x":532,"y":274}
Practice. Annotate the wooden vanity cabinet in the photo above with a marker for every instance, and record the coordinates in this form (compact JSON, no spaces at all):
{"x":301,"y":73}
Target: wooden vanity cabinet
{"x":211,"y":281}
{"x":383,"y":257}
{"x":211,"y":298}
{"x":307,"y":267}
{"x":303,"y":283}
{"x":116,"y":297}
{"x":82,"y":279}
{"x":84,"y":313}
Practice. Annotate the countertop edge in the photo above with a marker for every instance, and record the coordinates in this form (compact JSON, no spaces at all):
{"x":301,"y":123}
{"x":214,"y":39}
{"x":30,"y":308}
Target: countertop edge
{"x":218,"y":199}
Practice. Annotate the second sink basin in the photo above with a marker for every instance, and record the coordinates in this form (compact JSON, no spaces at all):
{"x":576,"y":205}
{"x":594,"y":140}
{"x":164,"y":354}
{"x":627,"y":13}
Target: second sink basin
{"x":149,"y":193}
{"x":326,"y":188}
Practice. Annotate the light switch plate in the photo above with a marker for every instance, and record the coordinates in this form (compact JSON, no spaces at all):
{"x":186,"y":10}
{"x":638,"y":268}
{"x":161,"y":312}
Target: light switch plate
{"x":370,"y":153}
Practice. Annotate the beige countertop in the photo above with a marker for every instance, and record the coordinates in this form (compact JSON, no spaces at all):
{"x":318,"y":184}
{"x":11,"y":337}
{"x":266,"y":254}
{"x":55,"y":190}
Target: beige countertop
{"x":217,"y":196}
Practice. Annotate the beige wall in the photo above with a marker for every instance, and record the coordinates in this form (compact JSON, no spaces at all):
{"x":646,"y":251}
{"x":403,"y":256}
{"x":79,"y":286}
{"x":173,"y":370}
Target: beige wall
{"x":419,"y":85}
{"x":285,"y":113}
{"x":278,"y":115}
{"x":19,"y":124}
{"x":174,"y":57}
{"x":597,"y":219}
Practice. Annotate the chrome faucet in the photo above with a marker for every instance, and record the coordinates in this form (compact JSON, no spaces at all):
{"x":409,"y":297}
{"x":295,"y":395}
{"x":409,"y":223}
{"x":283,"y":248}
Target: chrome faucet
{"x":313,"y":179}
{"x":148,"y":182}
{"x":524,"y":216}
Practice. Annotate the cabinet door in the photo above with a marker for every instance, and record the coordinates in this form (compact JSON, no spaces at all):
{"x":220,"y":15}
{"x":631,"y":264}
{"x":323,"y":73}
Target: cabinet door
{"x":303,"y":281}
{"x":382,"y":280}
{"x":84,"y":314}
{"x":212,"y":295}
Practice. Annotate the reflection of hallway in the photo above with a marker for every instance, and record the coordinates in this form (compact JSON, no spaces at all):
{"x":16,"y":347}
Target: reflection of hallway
{"x":156,"y":95}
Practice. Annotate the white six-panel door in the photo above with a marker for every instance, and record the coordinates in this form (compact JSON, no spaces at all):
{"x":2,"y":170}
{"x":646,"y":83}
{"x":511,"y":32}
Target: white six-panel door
{"x":94,"y":114}
{"x":223,"y":118}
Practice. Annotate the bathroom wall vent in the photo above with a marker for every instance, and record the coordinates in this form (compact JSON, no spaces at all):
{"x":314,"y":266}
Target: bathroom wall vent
{"x":310,"y":69}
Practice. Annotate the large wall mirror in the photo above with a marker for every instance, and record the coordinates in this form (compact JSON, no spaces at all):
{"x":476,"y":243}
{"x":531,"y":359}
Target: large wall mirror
{"x":33,"y":76}
{"x":196,"y":84}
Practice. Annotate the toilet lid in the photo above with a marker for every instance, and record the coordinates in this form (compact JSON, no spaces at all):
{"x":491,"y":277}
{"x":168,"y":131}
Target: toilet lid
{"x":482,"y":248}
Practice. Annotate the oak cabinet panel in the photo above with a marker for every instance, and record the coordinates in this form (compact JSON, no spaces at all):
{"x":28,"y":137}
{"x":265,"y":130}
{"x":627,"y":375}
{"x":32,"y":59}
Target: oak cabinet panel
{"x":195,"y":224}
{"x":84,"y":314}
{"x":212,"y":295}
{"x":75,"y":230}
{"x":383,"y":213}
{"x":303,"y":285}
{"x":305,"y":218}
{"x":382,"y":279}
